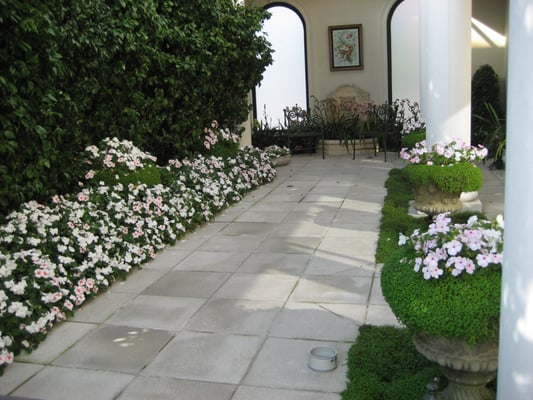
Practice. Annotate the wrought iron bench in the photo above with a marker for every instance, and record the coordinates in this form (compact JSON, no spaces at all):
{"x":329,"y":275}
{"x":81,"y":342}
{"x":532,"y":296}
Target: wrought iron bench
{"x":301,"y":137}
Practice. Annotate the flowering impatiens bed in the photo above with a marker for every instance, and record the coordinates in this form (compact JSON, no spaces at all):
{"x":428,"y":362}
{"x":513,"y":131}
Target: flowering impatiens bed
{"x":54,"y":257}
{"x":447,"y":152}
{"x":455,"y":248}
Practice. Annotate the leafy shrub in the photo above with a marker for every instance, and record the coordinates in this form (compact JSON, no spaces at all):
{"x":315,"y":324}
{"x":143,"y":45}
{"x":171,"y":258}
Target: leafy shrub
{"x":73,"y":73}
{"x":486,"y":108}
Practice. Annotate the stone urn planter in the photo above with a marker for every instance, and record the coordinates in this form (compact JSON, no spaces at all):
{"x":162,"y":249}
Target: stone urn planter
{"x":439,"y":175}
{"x":429,"y":198}
{"x":444,"y":284}
{"x":282,"y":160}
{"x":438,"y":189}
{"x":469,"y":368}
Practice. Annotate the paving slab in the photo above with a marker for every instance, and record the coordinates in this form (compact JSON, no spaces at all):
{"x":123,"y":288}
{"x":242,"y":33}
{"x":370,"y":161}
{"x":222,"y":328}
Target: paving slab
{"x":115,"y":348}
{"x":16,"y":374}
{"x":144,"y":388}
{"x":167,"y":259}
{"x":243,"y":317}
{"x":283,"y":363}
{"x":291,"y":245}
{"x":258,"y":287}
{"x":64,"y":335}
{"x":57,"y":383}
{"x":212,"y":261}
{"x":101,"y":307}
{"x":187,"y":284}
{"x":275,"y":263}
{"x":210,"y":357}
{"x":328,"y":264}
{"x":318,"y":322}
{"x":332,"y":289}
{"x":157,"y":312}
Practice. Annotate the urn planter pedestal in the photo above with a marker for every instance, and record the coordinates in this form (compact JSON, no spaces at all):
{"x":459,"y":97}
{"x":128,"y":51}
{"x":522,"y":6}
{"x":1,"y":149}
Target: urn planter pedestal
{"x":468,"y":368}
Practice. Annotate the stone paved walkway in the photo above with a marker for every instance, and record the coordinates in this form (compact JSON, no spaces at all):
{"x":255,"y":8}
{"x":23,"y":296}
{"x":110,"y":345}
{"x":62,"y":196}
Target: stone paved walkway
{"x":231,"y":311}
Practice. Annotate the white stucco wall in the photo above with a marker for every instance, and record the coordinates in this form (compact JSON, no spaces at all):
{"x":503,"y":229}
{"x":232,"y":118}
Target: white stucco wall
{"x":318,"y":16}
{"x":372,"y":14}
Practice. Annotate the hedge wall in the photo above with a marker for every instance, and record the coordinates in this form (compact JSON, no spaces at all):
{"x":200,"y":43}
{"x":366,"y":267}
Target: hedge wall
{"x":154,"y":72}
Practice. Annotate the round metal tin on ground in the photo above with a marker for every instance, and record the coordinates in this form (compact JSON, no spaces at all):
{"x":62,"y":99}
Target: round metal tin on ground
{"x":323,"y":358}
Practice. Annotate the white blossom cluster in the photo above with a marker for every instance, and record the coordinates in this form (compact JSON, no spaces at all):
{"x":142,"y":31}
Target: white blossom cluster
{"x":54,"y":257}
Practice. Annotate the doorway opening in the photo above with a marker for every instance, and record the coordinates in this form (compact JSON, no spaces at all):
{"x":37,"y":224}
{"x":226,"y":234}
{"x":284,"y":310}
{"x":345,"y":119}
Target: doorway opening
{"x":284,"y":82}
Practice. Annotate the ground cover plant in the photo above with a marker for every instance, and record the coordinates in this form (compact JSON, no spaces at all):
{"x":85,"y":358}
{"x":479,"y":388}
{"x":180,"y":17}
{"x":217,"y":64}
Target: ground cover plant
{"x":55,"y":256}
{"x":383,"y":363}
{"x":395,"y":218}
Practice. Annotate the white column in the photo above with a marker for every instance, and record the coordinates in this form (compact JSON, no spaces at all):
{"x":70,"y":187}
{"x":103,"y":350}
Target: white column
{"x":445,"y":68}
{"x":515,"y":372}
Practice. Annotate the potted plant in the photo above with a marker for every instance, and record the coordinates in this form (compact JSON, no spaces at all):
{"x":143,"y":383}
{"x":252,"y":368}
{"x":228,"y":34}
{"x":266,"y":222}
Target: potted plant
{"x":444,"y":285}
{"x":279,"y":155}
{"x":439,"y":176}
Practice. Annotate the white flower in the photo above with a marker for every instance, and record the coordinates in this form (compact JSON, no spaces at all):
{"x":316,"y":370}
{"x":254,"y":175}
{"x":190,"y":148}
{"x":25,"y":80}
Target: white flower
{"x":18,"y":309}
{"x":16,"y":287}
{"x":455,"y":247}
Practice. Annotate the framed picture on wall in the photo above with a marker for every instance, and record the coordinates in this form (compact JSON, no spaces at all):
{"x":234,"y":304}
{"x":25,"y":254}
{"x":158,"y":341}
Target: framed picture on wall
{"x":345,"y":47}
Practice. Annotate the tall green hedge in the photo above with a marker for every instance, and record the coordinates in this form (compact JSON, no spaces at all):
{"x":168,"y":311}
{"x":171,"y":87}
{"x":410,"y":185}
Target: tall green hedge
{"x":154,"y":72}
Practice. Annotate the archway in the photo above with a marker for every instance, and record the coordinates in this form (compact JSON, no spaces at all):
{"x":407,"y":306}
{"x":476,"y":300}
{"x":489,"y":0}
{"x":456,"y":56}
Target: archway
{"x":403,"y":51}
{"x":284,"y":82}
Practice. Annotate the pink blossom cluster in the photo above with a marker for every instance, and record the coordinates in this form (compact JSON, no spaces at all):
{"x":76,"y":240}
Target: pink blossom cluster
{"x":214,"y":134}
{"x":455,"y":248}
{"x":448,"y":152}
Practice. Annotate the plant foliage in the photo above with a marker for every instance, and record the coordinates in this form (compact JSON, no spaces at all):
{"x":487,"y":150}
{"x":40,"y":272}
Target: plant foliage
{"x":456,"y":178}
{"x":72,"y":73}
{"x":53,"y":257}
{"x":465,"y":307}
{"x":383,"y":364}
{"x":485,"y":100}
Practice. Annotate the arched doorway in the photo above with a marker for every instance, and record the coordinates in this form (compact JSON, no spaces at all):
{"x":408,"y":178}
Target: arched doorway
{"x":284,"y":82}
{"x":403,"y":51}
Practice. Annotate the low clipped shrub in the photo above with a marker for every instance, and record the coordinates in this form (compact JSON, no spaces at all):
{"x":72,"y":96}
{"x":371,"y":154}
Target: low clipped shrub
{"x":394,"y":214}
{"x":455,"y":178}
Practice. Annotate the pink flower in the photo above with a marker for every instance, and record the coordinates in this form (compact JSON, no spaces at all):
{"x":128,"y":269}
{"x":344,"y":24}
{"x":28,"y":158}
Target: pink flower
{"x":83,"y":197}
{"x":69,"y":305}
{"x":453,"y":247}
{"x":483,"y":260}
{"x":470,"y":267}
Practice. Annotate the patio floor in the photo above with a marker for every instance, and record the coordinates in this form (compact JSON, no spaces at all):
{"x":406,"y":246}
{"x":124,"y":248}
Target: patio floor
{"x":231,"y":311}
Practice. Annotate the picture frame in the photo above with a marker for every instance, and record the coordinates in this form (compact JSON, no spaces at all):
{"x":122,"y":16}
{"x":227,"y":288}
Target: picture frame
{"x":345,"y":47}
